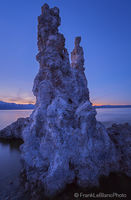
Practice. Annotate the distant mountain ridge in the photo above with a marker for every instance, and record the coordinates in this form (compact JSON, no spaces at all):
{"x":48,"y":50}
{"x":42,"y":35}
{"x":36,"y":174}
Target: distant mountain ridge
{"x":113,"y":106}
{"x":14,"y":106}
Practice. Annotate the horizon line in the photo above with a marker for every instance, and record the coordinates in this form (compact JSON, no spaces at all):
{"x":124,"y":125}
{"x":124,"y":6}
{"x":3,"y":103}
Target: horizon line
{"x":94,"y":104}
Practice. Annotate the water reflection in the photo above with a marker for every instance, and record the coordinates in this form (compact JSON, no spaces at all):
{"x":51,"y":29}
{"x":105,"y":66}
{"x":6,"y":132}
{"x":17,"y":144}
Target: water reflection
{"x":10,"y":167}
{"x":11,"y":144}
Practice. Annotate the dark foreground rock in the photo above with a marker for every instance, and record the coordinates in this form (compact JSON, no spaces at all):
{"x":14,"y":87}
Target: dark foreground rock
{"x":120,"y":135}
{"x":14,"y":131}
{"x":63,"y":141}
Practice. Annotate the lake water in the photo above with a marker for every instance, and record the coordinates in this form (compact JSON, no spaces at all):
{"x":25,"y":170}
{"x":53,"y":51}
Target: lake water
{"x":10,"y":162}
{"x":106,"y":115}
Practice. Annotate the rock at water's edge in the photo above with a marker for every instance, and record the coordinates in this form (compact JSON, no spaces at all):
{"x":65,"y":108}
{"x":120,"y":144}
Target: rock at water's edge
{"x":14,"y":131}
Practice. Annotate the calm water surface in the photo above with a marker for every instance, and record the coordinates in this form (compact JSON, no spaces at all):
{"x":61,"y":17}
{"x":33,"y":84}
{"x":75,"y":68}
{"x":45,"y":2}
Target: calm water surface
{"x":9,"y":116}
{"x":10,"y":162}
{"x":108,"y":116}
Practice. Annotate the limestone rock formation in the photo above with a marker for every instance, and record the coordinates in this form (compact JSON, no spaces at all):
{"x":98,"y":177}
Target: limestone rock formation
{"x":63,"y":142}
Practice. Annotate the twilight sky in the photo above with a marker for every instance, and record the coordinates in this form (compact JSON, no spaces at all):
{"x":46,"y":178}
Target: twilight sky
{"x":105,"y":27}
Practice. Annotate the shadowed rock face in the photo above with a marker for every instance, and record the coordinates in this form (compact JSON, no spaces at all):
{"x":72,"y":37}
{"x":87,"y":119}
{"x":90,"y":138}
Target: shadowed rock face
{"x":120,"y":135}
{"x":63,"y":142}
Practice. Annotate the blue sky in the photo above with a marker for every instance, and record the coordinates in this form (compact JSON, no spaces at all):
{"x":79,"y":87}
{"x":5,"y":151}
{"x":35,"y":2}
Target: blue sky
{"x":106,"y":38}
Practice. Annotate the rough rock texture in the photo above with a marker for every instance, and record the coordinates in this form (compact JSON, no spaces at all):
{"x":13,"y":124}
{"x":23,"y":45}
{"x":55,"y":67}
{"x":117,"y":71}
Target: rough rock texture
{"x":120,"y":135}
{"x":63,"y":142}
{"x":14,"y":131}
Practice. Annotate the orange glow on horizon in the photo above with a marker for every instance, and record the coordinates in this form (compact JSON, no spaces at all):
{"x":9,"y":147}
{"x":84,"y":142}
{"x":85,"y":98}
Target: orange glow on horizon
{"x":109,"y":104}
{"x":32,"y":101}
{"x":23,"y":101}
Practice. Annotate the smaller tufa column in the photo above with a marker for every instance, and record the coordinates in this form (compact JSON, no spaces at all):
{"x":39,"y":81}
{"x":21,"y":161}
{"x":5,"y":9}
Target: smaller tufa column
{"x":77,"y":55}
